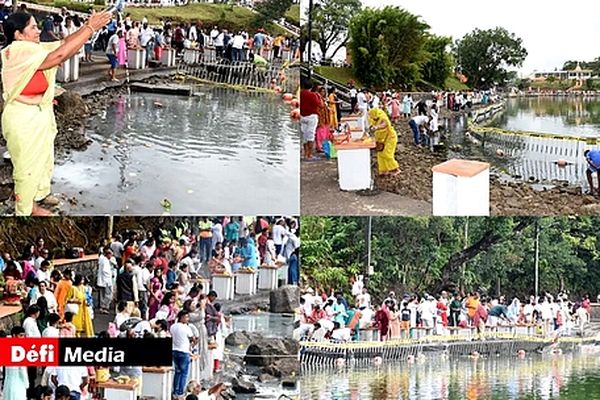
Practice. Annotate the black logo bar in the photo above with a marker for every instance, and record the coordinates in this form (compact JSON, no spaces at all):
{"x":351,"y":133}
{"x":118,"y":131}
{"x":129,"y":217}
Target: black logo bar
{"x":147,"y":352}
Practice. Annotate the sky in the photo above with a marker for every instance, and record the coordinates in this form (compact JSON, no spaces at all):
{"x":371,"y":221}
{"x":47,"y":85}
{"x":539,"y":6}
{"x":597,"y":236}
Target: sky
{"x":552,"y":31}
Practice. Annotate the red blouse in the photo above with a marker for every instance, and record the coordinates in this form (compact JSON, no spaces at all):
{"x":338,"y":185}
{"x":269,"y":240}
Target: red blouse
{"x":37,"y":85}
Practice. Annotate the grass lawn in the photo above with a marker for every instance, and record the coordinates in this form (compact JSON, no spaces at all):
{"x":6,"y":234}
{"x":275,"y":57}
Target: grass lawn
{"x":452,"y":83}
{"x":340,"y":75}
{"x":208,"y":14}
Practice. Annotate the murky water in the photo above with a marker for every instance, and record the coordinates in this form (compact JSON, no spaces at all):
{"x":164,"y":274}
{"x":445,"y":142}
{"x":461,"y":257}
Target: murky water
{"x":220,"y":151}
{"x":534,"y":159}
{"x":569,"y":377}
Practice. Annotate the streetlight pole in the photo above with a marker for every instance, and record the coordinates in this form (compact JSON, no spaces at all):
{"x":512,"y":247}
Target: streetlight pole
{"x":310,"y":11}
{"x":537,"y":257}
{"x":369,"y":268}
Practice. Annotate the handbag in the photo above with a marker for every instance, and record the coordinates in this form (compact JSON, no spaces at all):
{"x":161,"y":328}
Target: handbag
{"x":379,"y":146}
{"x":73,"y":308}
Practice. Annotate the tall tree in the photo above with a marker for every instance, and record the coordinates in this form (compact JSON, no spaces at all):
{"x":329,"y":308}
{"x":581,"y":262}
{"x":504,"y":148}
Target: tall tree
{"x":269,"y":10}
{"x":330,"y":23}
{"x":440,"y":62}
{"x":387,"y":47}
{"x":485,"y":55}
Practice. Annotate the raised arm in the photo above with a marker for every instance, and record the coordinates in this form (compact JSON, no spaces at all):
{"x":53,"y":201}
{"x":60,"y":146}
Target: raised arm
{"x":71,"y":45}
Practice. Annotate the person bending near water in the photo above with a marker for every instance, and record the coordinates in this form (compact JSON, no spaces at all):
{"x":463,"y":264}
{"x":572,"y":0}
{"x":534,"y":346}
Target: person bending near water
{"x":28,"y":124}
{"x":593,"y":159}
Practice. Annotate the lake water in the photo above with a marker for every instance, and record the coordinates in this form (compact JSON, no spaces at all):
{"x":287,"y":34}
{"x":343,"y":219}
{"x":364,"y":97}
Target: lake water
{"x":218,"y":152}
{"x":534,"y":159}
{"x":267,"y":324}
{"x":572,"y":116}
{"x":568,"y":377}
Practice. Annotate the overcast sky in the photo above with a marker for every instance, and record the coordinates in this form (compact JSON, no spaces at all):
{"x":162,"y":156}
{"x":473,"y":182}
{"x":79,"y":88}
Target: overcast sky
{"x":552,"y":31}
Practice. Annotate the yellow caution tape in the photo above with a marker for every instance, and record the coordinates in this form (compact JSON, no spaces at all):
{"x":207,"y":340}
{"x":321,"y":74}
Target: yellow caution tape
{"x":474,"y":127}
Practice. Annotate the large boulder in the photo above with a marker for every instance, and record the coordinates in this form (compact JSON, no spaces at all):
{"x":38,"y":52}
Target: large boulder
{"x":242,"y":338}
{"x":284,"y":299}
{"x":243,"y":385}
{"x":284,"y":368}
{"x":267,"y":351}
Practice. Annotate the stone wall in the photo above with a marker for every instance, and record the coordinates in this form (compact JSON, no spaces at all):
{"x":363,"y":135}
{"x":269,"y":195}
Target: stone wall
{"x":87,"y":266}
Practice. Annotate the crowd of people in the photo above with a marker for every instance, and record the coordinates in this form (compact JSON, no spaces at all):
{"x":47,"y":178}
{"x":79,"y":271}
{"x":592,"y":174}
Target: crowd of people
{"x":151,"y":282}
{"x":321,"y":119}
{"x":330,"y":316}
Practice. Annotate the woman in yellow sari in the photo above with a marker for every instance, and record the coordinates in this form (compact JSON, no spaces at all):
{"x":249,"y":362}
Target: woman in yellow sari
{"x":28,"y":124}
{"x":332,"y":106}
{"x":82,"y":319}
{"x":387,"y":140}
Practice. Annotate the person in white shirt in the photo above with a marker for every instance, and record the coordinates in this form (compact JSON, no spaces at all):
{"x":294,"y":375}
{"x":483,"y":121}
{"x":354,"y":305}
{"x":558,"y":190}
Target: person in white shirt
{"x":363,"y":300}
{"x":43,"y":274}
{"x":44,"y":292}
{"x":30,"y":324}
{"x":183,"y":339}
{"x":237,"y":46}
{"x":43,"y":256}
{"x":51,"y":330}
{"x":75,"y":378}
{"x":104,"y":280}
{"x":357,"y":286}
{"x":418,"y":123}
{"x":213,"y":34}
{"x":279,"y":233}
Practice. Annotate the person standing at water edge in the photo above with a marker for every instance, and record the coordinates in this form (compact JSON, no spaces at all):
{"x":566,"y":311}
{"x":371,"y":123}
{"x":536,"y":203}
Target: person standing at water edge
{"x":593,"y":159}
{"x":309,"y":117}
{"x":28,"y":75}
{"x":183,"y":339}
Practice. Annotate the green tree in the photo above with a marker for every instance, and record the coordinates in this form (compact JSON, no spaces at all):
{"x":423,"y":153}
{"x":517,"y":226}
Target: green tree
{"x":427,"y":254}
{"x":387,"y":47}
{"x":330,"y":23}
{"x":269,"y":10}
{"x":485,"y":55}
{"x":440,"y":63}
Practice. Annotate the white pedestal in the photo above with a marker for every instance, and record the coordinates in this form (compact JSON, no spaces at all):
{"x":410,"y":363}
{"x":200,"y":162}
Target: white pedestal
{"x":461,"y":188}
{"x":168,"y":58}
{"x":223,"y":285}
{"x":282,"y":274}
{"x":136,"y":58}
{"x":115,"y":391}
{"x":194,"y":371}
{"x":245,"y":283}
{"x":354,"y":168}
{"x":157,"y":382}
{"x":63,"y":73}
{"x":74,"y":68}
{"x":267,"y":278}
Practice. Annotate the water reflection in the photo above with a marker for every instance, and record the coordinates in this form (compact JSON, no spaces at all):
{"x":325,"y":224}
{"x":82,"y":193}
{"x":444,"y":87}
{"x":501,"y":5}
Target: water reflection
{"x":270,"y":325}
{"x":204,"y":153}
{"x":538,"y":377}
{"x":574,"y":116}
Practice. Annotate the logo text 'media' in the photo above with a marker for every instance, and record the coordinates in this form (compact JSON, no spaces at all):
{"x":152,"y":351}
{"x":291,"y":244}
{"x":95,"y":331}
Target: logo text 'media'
{"x":85,"y":351}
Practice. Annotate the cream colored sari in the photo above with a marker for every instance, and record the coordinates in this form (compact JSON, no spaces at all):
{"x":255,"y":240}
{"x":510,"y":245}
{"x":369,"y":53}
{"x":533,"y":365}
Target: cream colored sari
{"x":28,"y":123}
